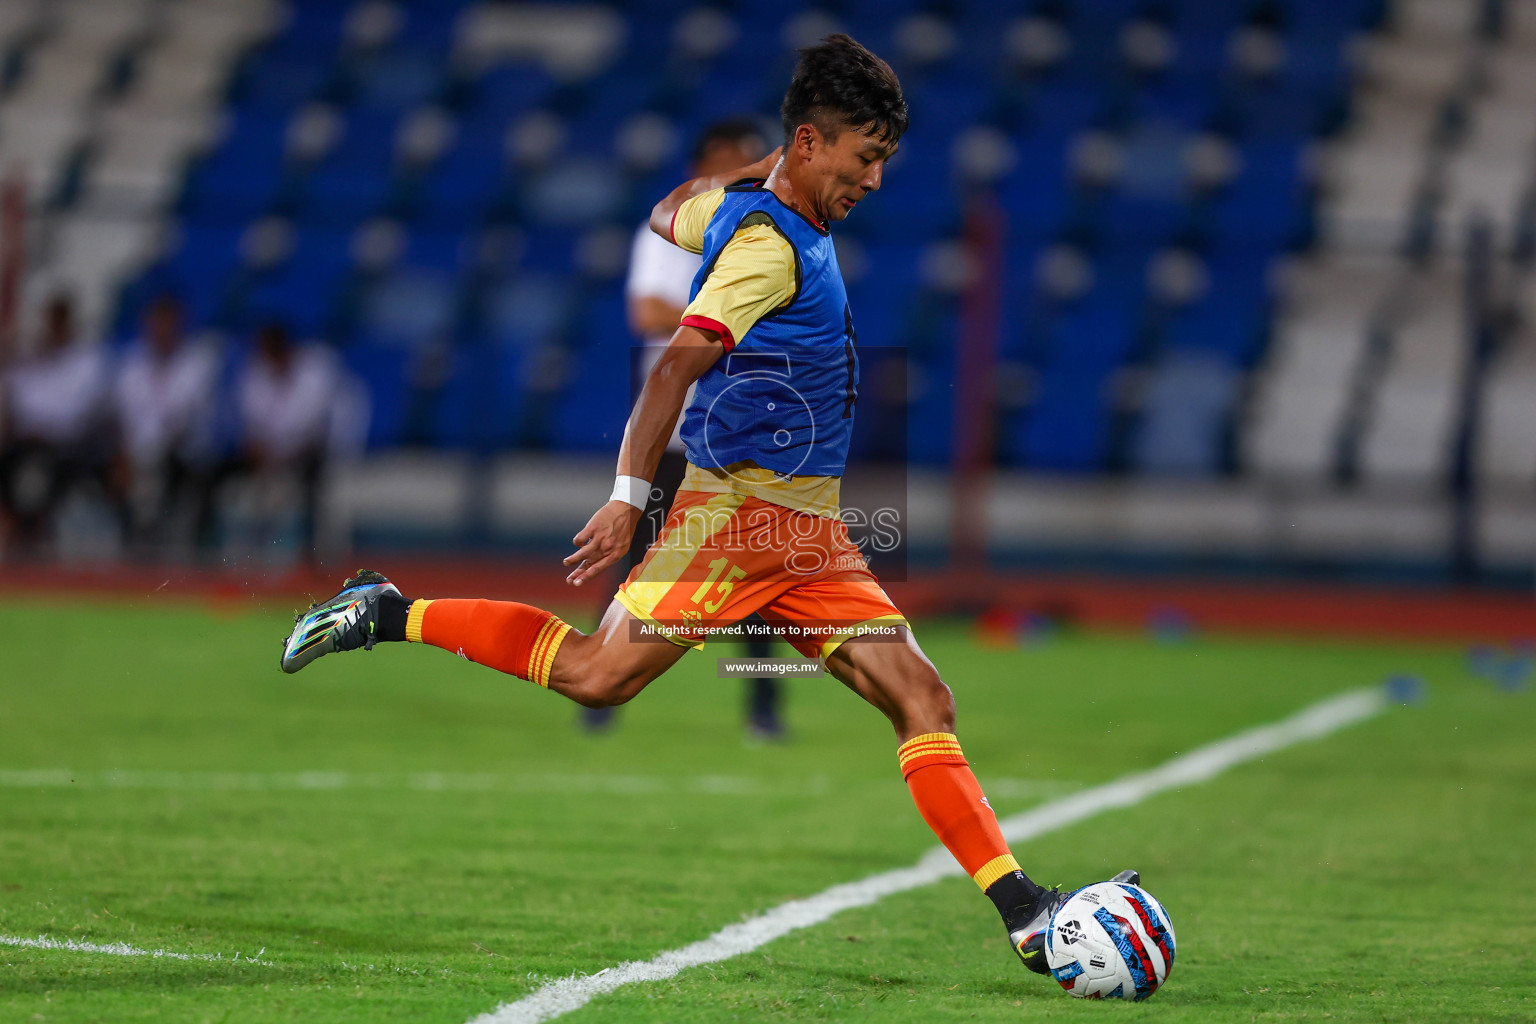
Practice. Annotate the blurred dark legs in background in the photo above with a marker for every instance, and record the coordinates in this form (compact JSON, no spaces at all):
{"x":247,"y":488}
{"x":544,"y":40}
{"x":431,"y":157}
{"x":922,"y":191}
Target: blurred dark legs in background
{"x":172,"y":506}
{"x":763,"y":720}
{"x":270,"y":499}
{"x":35,"y":480}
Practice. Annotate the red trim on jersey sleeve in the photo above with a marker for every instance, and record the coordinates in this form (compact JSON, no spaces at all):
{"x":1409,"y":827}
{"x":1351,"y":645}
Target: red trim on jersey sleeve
{"x":704,"y":323}
{"x":672,"y":224}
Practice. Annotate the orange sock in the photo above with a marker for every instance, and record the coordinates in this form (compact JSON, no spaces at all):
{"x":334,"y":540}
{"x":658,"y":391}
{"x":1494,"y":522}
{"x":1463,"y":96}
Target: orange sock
{"x":514,"y":638}
{"x":951,"y":802}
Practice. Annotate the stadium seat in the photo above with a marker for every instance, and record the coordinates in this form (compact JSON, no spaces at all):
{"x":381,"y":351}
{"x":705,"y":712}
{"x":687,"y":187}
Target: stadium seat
{"x":533,"y":159}
{"x":1067,"y":428}
{"x":305,"y":290}
{"x":595,"y":392}
{"x":1186,"y":407}
{"x":480,"y":405}
{"x":242,"y":177}
{"x":408,"y":308}
{"x":355,"y":179}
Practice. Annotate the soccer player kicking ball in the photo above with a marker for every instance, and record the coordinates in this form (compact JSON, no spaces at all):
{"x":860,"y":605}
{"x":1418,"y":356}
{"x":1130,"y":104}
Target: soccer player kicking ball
{"x":755,"y":526}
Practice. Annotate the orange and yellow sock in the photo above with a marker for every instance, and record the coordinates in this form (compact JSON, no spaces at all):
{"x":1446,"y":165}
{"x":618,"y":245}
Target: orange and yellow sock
{"x":514,"y":638}
{"x":951,"y":801}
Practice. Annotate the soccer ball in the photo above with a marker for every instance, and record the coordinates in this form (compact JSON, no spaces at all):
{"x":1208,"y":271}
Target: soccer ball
{"x":1110,"y":941}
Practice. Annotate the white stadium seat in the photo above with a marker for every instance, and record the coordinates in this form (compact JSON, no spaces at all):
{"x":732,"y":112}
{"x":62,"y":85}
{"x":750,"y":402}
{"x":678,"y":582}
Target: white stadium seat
{"x":181,"y":55}
{"x":139,"y":159}
{"x":18,"y":19}
{"x":1436,"y":19}
{"x":1506,"y":430}
{"x":1409,"y":435}
{"x":36,"y":146}
{"x":1520,"y":22}
{"x":1302,"y":398}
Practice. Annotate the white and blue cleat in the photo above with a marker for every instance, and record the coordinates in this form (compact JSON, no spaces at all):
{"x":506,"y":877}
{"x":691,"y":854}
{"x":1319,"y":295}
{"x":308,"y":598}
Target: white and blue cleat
{"x":345,"y":622}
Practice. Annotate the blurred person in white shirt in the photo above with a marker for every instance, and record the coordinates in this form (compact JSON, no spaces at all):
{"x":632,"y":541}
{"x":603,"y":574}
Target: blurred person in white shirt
{"x":52,"y":436}
{"x":656,"y":292}
{"x":166,"y":399}
{"x":298,"y":409}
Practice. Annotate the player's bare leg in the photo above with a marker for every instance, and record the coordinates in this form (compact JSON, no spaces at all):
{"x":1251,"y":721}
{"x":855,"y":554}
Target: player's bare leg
{"x":899,"y":679}
{"x":610,"y":666}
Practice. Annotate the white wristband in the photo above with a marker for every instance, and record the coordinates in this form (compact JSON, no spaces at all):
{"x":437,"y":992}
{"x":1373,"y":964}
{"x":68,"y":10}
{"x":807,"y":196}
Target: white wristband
{"x":631,"y":489}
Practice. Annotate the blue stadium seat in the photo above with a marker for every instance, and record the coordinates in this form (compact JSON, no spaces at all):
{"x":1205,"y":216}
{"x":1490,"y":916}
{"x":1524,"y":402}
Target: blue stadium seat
{"x":591,"y":412}
{"x":1229,"y":320}
{"x":1036,"y":195}
{"x":201,"y":270}
{"x":1061,"y":105}
{"x":469,"y":180}
{"x":430,"y":24}
{"x":313,"y":30}
{"x":1187,"y":407}
{"x":525,"y":310}
{"x":508,"y":89}
{"x":447,"y":251}
{"x":1267,"y":203}
{"x":573,"y":191}
{"x":398,"y":78}
{"x":304,"y":291}
{"x":408,"y":308}
{"x":1122,"y":222}
{"x":882,"y":299}
{"x":1183,"y":100}
{"x":243,"y":176}
{"x":387,"y":373}
{"x":931,"y":410}
{"x":276,"y":80}
{"x":1067,"y":429}
{"x":480,"y":407}
{"x":1097,"y":334}
{"x":1203,"y":31}
{"x":355,"y":179}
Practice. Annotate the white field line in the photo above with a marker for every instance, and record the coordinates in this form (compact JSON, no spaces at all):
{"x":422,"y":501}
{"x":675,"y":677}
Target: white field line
{"x":474,"y":782}
{"x":567,"y":994}
{"x":123,"y":949}
{"x":431,"y":782}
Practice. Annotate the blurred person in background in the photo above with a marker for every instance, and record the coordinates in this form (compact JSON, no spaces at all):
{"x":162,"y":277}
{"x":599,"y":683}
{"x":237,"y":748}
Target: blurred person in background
{"x":287,"y":397}
{"x":655,"y":294}
{"x":166,"y":401}
{"x":51,"y":437}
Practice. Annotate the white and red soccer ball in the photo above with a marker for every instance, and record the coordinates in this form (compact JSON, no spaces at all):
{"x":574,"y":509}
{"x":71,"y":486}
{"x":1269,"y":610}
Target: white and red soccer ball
{"x":1110,"y":940}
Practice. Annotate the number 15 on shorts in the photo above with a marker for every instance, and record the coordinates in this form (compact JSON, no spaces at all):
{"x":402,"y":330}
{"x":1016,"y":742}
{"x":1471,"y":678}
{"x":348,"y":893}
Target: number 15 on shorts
{"x":722,"y":586}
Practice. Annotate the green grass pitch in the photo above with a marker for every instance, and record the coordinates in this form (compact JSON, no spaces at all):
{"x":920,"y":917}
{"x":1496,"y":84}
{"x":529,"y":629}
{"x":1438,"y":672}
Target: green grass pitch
{"x":1381,"y":874}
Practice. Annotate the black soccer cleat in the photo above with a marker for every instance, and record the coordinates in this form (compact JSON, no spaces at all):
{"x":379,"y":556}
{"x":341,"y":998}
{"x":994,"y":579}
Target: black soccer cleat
{"x":1029,"y":941}
{"x":345,"y":622}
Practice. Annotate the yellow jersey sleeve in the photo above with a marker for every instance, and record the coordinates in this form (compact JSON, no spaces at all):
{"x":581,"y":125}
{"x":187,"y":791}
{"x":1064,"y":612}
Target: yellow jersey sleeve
{"x":690,"y":219}
{"x":753,"y":276}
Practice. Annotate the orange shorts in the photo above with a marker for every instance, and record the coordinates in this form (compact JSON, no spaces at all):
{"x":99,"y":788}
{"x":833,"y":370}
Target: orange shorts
{"x":722,"y":557}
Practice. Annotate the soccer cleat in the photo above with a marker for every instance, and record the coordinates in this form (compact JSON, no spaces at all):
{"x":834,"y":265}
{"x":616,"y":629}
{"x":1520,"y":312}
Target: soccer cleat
{"x":1029,"y":941}
{"x":341,"y":623}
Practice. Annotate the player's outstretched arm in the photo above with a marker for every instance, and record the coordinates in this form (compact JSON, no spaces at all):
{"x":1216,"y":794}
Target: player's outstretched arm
{"x":662,"y":212}
{"x":607,"y":535}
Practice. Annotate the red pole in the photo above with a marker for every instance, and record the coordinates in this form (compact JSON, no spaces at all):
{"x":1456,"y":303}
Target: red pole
{"x":975,"y":391}
{"x":13,"y":248}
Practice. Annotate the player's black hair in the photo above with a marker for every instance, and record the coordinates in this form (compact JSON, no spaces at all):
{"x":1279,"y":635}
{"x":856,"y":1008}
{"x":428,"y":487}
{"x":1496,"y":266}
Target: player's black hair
{"x":731,"y":130}
{"x":840,"y":84}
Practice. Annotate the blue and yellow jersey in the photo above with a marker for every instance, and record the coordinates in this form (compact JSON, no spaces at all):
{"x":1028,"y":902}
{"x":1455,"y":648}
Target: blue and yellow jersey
{"x":773,"y":416}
